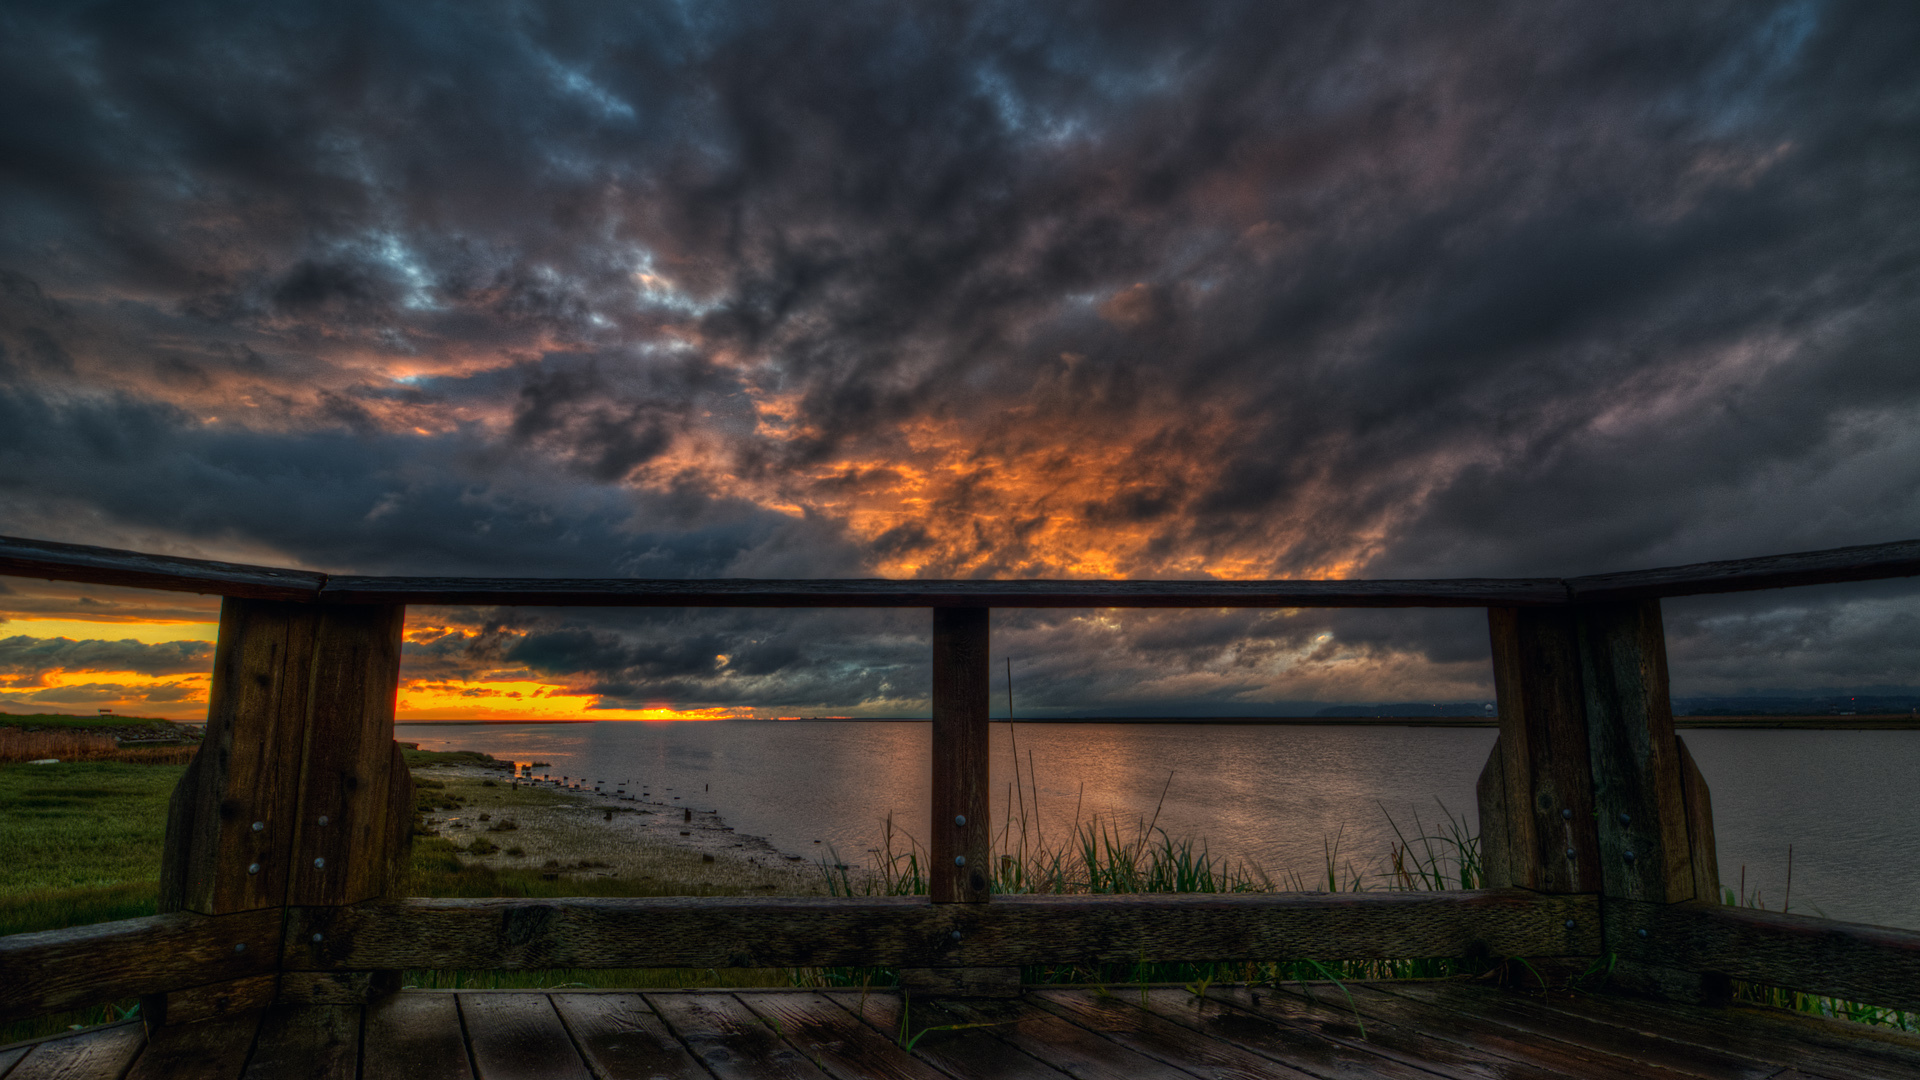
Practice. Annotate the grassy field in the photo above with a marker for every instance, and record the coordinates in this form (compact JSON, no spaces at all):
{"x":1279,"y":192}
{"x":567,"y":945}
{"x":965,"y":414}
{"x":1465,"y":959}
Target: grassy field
{"x":81,"y":842}
{"x":101,"y":723}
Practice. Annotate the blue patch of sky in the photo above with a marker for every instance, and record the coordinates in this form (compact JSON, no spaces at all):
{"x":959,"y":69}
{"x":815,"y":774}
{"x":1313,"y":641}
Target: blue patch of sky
{"x":1736,"y":89}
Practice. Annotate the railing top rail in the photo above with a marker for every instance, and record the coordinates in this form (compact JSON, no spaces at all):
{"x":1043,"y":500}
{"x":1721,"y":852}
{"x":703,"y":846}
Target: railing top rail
{"x":109,"y":566}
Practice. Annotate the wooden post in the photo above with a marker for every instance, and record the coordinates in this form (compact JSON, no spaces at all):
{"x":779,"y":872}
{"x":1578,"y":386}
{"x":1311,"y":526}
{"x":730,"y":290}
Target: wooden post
{"x":960,"y":837}
{"x":230,"y":821}
{"x":1536,"y":797}
{"x":1636,"y":762}
{"x":342,"y":835}
{"x":1655,"y":818}
{"x":295,"y":792}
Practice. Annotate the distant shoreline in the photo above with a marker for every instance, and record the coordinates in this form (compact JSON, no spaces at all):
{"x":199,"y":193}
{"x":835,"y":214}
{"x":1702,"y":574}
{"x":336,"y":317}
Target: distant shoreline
{"x":1883,"y":722}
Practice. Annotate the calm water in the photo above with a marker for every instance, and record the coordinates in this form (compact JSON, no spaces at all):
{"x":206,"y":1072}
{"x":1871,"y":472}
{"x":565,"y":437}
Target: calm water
{"x":1277,"y":797}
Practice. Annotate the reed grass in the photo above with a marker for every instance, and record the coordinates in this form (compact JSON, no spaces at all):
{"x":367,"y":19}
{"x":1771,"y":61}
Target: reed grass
{"x":100,"y":823}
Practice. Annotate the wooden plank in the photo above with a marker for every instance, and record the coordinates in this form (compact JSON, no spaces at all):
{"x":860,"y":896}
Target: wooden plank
{"x":1119,"y":1019}
{"x":1635,"y":758}
{"x":960,"y":838}
{"x":10,"y":1056}
{"x":335,"y":987}
{"x":213,"y":1001}
{"x":622,"y":1039}
{"x":833,"y":1039}
{"x":1703,"y":854}
{"x":1648,"y":1055}
{"x":342,"y":835}
{"x":911,"y":932}
{"x":415,"y":1035}
{"x":1496,"y":842}
{"x":1812,"y":1044}
{"x":306,"y":1042}
{"x":889,"y":593}
{"x":111,"y":566}
{"x":960,"y":981}
{"x":399,"y":821}
{"x":231,"y":829}
{"x":50,"y":970}
{"x":1870,"y":964}
{"x":946,"y":1040}
{"x":1867,"y":562}
{"x":1552,"y":845}
{"x":1064,"y":1045}
{"x":213,"y":1050}
{"x":101,"y":1054}
{"x":1458,"y":1039}
{"x":519,"y":1037}
{"x":1327,"y":1037}
{"x":727,"y":1038}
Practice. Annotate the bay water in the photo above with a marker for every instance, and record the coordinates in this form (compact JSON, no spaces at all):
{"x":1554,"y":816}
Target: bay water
{"x":1287,"y":799}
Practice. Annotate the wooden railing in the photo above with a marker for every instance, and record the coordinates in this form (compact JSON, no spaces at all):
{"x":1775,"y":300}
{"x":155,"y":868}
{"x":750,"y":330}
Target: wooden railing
{"x":287,"y":836}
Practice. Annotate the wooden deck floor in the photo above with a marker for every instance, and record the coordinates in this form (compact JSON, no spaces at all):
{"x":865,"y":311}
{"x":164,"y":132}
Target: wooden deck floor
{"x":1399,"y":1031}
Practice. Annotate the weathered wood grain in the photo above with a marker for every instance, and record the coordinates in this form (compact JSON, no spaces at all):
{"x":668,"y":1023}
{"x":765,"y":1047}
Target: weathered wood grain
{"x":889,"y":592}
{"x":1490,"y":794}
{"x":101,"y":1054}
{"x":214,"y":1050}
{"x":1744,"y":1032}
{"x":1063,"y":1044}
{"x":518,"y":1036}
{"x":1323,"y":1041}
{"x":306,"y":1042}
{"x":960,"y":837}
{"x":210,"y":1001}
{"x":911,"y":932}
{"x":1504,"y":1050}
{"x":399,"y":821}
{"x":112,"y":566}
{"x":621,"y":1039}
{"x":414,"y":1036}
{"x":1131,"y":1025}
{"x":342,"y":834}
{"x":1644,"y":853}
{"x":1871,"y":964}
{"x":11,"y":1055}
{"x":1551,"y":842}
{"x":1703,"y":854}
{"x":961,"y":981}
{"x":829,"y":1036}
{"x":50,"y":970}
{"x":965,"y":1053}
{"x":335,"y":987}
{"x":1868,"y":562}
{"x":1649,"y":1055}
{"x":1462,"y":1041}
{"x":1812,"y":1043}
{"x":231,"y":825}
{"x":732,"y":1042}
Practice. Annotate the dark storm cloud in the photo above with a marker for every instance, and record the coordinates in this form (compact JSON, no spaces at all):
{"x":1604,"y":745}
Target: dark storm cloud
{"x":21,"y":655}
{"x":1239,"y":288}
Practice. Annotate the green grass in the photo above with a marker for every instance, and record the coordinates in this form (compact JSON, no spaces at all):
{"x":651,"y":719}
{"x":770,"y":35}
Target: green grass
{"x":419,"y":758}
{"x":81,"y":842}
{"x":56,"y":720}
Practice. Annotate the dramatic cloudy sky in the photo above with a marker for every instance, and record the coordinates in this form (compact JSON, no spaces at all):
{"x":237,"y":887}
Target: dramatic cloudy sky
{"x":1220,"y":289}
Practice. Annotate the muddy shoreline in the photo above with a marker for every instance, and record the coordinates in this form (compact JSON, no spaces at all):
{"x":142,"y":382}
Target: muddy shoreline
{"x":579,"y":834}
